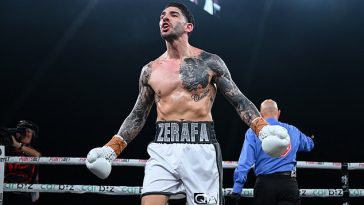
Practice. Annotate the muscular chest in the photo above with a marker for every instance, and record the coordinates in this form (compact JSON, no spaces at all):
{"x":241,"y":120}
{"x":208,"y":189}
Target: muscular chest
{"x":191,"y":75}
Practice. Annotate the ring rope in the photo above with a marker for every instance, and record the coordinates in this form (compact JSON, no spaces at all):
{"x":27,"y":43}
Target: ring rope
{"x":141,"y":162}
{"x":132,"y":190}
{"x":128,"y":190}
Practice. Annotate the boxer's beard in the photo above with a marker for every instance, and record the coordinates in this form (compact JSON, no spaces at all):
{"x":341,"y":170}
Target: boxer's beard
{"x":174,"y":34}
{"x":170,"y":37}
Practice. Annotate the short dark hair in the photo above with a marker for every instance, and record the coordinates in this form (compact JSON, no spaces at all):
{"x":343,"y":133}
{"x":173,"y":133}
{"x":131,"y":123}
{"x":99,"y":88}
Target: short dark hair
{"x":185,"y":11}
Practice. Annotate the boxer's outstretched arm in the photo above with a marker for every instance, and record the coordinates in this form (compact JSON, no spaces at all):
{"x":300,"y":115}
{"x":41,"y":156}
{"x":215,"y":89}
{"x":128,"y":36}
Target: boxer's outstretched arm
{"x":99,"y":159}
{"x":135,"y":121}
{"x":245,"y":108}
{"x":275,"y":139}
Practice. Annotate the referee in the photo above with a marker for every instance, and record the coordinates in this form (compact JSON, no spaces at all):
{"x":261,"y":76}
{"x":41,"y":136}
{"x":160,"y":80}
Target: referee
{"x":276,"y":182}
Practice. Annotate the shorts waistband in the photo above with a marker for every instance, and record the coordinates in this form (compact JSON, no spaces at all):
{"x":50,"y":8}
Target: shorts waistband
{"x":185,"y":132}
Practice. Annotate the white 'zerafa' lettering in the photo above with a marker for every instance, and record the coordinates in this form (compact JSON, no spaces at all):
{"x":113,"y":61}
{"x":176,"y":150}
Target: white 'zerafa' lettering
{"x":189,"y":132}
{"x":203,"y":133}
{"x":174,"y":132}
{"x":185,"y":135}
{"x":194,"y":131}
{"x":167,"y":131}
{"x":159,"y":138}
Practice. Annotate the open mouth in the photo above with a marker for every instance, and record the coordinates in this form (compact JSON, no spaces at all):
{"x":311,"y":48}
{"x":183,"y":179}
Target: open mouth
{"x":165,"y":27}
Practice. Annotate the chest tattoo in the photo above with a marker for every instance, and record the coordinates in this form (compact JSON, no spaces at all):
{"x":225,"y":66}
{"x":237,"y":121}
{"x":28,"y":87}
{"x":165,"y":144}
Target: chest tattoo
{"x":197,"y":97}
{"x":195,"y":78}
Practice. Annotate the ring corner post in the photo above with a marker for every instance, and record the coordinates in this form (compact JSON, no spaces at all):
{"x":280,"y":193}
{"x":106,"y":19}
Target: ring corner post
{"x":2,"y":172}
{"x":345,"y":183}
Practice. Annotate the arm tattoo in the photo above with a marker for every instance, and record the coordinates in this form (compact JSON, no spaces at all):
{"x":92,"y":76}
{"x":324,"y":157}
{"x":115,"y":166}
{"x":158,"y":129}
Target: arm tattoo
{"x":195,"y":78}
{"x":134,"y":123}
{"x":245,"y":108}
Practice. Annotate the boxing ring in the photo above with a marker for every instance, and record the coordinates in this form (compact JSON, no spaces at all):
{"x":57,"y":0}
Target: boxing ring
{"x":344,"y":191}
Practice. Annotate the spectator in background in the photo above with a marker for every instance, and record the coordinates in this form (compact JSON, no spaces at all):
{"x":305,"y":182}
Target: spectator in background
{"x":22,"y":145}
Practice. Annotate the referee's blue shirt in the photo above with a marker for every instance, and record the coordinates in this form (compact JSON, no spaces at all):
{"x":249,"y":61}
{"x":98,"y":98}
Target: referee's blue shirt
{"x":252,"y":153}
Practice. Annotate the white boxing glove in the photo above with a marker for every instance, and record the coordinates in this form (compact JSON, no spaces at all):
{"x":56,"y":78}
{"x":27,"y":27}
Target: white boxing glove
{"x":99,"y":161}
{"x":275,"y":140}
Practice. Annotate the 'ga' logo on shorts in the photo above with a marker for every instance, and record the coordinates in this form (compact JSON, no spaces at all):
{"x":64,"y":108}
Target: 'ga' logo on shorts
{"x":205,"y":198}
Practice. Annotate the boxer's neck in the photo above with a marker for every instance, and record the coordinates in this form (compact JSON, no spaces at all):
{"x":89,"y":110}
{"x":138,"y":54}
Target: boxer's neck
{"x":178,"y":49}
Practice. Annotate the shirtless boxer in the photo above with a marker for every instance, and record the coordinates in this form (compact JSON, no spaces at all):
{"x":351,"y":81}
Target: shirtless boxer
{"x":185,"y":156}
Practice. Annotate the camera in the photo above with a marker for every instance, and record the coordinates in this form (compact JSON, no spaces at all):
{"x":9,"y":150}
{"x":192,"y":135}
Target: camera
{"x":6,"y":133}
{"x":18,"y":132}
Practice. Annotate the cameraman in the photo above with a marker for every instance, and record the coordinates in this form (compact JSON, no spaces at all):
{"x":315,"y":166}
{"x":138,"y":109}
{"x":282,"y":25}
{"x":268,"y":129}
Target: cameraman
{"x":22,"y":145}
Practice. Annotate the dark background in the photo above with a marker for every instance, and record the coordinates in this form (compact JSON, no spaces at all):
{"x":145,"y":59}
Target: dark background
{"x":73,"y":68}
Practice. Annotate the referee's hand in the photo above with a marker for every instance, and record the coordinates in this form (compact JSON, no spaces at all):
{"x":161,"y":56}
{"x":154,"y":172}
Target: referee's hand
{"x":236,"y":197}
